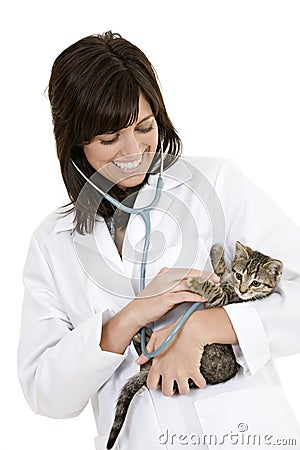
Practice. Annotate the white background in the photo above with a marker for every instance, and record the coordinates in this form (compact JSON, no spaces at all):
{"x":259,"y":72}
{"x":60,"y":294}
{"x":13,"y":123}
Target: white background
{"x":229,"y":72}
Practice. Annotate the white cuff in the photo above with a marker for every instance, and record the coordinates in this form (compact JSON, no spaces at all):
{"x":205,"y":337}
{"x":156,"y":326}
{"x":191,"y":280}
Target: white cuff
{"x":253,"y":350}
{"x":90,"y":332}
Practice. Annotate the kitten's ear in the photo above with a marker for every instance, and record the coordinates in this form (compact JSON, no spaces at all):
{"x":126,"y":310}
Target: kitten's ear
{"x":242,"y":251}
{"x":274,"y":266}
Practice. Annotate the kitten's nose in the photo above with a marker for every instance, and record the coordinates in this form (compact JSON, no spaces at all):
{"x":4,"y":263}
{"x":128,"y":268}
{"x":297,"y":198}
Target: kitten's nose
{"x":243,"y":290}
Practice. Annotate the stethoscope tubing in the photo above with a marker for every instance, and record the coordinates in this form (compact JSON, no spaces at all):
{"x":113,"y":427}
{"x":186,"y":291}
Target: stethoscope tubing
{"x":144,"y":212}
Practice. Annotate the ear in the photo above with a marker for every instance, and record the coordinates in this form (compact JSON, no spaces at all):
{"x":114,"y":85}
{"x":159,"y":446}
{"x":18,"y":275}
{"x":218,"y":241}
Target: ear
{"x":274,"y":266}
{"x":241,"y":251}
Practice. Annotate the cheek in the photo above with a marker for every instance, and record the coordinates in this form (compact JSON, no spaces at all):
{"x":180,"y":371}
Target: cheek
{"x":155,"y":138}
{"x":235,"y":282}
{"x":152,"y":138}
{"x":95,"y":157}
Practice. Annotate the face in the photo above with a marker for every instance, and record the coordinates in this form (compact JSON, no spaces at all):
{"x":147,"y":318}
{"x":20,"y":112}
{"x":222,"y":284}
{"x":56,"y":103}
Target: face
{"x":125,"y":156}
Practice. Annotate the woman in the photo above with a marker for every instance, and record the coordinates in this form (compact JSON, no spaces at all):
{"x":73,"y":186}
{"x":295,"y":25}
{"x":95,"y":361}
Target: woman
{"x":83,"y":303}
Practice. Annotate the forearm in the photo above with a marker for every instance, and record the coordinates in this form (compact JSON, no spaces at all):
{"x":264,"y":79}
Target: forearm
{"x":159,"y":297}
{"x":118,"y":332}
{"x":215,"y":326}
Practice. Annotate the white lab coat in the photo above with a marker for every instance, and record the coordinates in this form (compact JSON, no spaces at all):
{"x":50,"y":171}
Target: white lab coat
{"x":73,"y":284}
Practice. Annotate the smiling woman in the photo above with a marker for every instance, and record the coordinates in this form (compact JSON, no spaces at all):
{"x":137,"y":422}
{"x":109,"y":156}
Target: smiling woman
{"x":107,"y":106}
{"x":85,"y":302}
{"x":131,"y":150}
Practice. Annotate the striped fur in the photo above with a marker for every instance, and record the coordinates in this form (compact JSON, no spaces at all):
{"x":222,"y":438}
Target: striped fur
{"x":253,"y":275}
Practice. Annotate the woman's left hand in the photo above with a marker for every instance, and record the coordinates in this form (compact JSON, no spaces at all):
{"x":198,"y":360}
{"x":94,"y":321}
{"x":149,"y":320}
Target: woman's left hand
{"x":179,"y":361}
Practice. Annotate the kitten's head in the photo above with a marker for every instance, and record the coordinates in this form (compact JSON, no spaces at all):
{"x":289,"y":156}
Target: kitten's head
{"x":254,"y":275}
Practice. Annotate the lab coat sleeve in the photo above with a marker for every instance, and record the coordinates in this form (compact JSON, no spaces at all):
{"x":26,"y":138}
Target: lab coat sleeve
{"x":266,"y":328}
{"x":60,"y":367}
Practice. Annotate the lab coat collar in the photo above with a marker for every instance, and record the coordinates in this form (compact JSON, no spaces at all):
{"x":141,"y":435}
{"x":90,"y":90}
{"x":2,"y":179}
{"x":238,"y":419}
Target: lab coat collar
{"x":175,"y":175}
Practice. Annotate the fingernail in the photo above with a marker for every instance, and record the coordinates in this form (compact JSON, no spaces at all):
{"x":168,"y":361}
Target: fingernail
{"x":138,"y":360}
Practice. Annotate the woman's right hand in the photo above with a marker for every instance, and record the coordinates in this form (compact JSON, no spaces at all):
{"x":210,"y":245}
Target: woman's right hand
{"x":167,"y":289}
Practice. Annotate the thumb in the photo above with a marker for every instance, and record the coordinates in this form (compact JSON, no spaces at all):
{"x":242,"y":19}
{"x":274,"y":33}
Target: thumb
{"x":142,"y":359}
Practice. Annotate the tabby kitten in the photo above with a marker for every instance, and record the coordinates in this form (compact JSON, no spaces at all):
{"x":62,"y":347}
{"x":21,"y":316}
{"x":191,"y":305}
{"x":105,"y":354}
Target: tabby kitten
{"x":253,"y":276}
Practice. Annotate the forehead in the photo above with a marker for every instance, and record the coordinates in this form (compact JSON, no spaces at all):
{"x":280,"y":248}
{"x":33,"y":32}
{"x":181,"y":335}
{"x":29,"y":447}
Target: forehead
{"x":144,"y":112}
{"x":128,"y":115}
{"x":144,"y":107}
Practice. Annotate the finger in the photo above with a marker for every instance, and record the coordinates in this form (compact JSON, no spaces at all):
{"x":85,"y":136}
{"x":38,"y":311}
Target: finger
{"x":153,"y":379}
{"x":204,"y":275}
{"x":200,"y":273}
{"x":174,"y":276}
{"x":198,"y":379}
{"x":150,"y":347}
{"x":167,"y":386}
{"x":186,"y":296}
{"x":142,"y":359}
{"x":164,"y":270}
{"x":183,"y":386}
{"x":182,"y":285}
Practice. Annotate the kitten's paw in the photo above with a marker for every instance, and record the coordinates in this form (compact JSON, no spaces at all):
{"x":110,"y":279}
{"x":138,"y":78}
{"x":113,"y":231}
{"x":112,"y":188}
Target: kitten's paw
{"x":217,"y":259}
{"x":217,"y":252}
{"x":217,"y":255}
{"x":196,"y":284}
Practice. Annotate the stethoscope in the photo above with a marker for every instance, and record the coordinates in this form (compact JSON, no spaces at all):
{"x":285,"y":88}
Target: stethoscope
{"x":144,"y":212}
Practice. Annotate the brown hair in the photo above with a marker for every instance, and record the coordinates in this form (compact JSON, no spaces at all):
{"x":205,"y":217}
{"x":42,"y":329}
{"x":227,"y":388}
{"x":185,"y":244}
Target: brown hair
{"x":94,"y":88}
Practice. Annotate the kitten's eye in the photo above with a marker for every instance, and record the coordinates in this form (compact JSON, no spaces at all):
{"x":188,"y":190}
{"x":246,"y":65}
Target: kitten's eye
{"x":256,"y":283}
{"x":239,"y":276}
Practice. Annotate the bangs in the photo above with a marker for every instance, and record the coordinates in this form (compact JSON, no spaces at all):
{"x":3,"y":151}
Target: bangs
{"x":112,"y":106}
{"x":94,"y":89}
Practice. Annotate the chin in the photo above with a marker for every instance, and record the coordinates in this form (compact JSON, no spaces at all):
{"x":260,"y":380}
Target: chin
{"x":132,"y":181}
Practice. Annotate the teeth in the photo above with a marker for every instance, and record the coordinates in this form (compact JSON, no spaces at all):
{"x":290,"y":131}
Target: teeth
{"x":129,"y":166}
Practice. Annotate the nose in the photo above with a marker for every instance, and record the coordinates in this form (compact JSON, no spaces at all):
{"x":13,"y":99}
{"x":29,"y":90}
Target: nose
{"x":243,"y":289}
{"x":131,"y":149}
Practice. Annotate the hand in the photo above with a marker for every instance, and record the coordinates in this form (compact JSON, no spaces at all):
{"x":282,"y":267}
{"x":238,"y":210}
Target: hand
{"x":180,"y":360}
{"x":166,"y":290}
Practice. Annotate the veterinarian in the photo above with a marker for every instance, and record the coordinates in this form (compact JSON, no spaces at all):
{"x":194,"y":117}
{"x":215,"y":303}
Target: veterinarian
{"x":83,"y":303}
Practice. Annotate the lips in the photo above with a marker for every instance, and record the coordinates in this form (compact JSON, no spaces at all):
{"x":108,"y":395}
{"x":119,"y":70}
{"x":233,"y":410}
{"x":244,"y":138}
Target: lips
{"x":130,"y":165}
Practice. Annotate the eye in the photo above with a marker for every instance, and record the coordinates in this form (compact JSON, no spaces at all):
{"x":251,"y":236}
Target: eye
{"x":145,"y":130}
{"x":109,"y":141}
{"x":255,"y":283}
{"x":239,"y":276}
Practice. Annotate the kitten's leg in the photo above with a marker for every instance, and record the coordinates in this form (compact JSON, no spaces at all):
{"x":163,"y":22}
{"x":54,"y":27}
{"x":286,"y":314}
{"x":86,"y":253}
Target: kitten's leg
{"x":218,"y":363}
{"x":133,"y":385}
{"x":215,"y":295}
{"x":137,"y":339}
{"x":218,"y":261}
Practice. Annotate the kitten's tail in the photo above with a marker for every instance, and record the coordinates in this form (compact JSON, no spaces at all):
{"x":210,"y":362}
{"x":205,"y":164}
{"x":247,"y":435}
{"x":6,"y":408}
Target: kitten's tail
{"x":133,"y":385}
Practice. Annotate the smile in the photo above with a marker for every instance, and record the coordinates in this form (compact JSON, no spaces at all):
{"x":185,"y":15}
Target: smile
{"x":132,"y":165}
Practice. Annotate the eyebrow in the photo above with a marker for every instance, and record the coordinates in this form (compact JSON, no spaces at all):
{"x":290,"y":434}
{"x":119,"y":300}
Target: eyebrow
{"x":143,"y":120}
